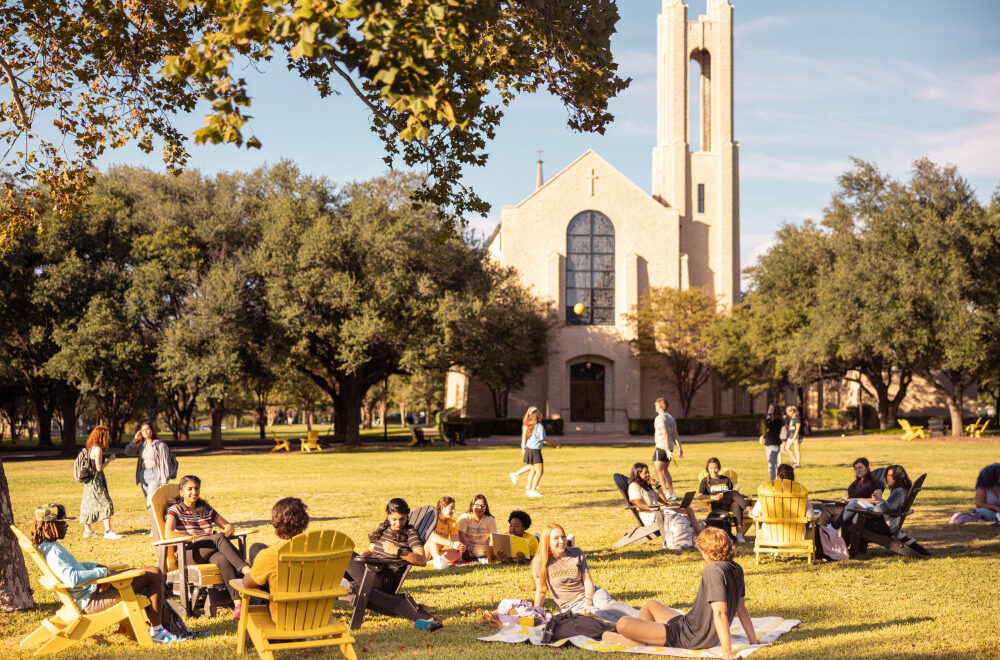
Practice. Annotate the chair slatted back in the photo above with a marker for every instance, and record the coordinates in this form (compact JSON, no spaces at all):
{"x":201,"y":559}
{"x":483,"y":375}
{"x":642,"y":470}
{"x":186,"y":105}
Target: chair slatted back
{"x":723,"y":472}
{"x":423,"y":520}
{"x":915,"y":488}
{"x":159,"y":503}
{"x":783,"y":509}
{"x":621,"y":481}
{"x":310,"y":568}
{"x":48,"y":578}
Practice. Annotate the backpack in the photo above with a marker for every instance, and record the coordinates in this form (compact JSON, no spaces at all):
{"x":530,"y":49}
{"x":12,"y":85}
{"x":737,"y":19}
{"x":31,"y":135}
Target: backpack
{"x":680,"y":536}
{"x":83,"y":467}
{"x":172,"y":464}
{"x":806,"y":430}
{"x":570,"y":624}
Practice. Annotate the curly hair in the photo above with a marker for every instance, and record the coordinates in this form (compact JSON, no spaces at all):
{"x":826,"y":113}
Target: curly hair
{"x":899,"y":477}
{"x":98,"y":438}
{"x":716,"y":544}
{"x":989,"y":476}
{"x":786,"y":471}
{"x":395,"y":505}
{"x":42,"y":531}
{"x":443,"y":503}
{"x":289,"y":517}
{"x":522,"y":516}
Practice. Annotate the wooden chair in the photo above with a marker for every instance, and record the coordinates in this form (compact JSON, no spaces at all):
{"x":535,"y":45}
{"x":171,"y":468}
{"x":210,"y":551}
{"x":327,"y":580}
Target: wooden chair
{"x":971,"y":428}
{"x":910,"y":432}
{"x":310,"y":568}
{"x":280,"y":444}
{"x":899,"y":542}
{"x":310,"y":443}
{"x":366,"y":596}
{"x":69,"y":625}
{"x":191,"y":583}
{"x":643,"y":532}
{"x":784,"y":511}
{"x":976,"y":429}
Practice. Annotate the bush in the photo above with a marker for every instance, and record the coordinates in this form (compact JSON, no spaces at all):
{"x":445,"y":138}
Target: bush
{"x":484,"y":427}
{"x":553,"y":426}
{"x":506,"y":426}
{"x":640,"y":426}
{"x":697,"y":425}
{"x":742,"y":425}
{"x":731,"y":425}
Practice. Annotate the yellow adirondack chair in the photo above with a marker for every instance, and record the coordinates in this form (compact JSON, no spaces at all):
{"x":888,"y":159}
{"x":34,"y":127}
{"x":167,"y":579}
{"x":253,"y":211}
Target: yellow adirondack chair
{"x":280,"y":443}
{"x":190,"y":581}
{"x":976,"y":429}
{"x":970,"y":429}
{"x":69,"y":625}
{"x":910,"y":432}
{"x":311,"y":442}
{"x":310,"y":568}
{"x":982,"y":429}
{"x":783,"y":525}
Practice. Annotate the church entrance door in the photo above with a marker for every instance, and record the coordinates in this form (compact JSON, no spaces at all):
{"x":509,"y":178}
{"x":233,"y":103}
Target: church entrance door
{"x":586,"y":392}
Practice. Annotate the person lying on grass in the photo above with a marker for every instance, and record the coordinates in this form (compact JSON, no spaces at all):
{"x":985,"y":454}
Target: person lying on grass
{"x":290,"y":518}
{"x":720,"y":598}
{"x":394,"y":539}
{"x":46,"y":532}
{"x":562,"y":571}
{"x":444,"y":544}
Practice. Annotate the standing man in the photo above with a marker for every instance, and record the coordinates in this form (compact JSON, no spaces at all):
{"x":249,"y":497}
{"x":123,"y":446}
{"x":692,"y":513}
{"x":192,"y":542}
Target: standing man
{"x":666,"y":441}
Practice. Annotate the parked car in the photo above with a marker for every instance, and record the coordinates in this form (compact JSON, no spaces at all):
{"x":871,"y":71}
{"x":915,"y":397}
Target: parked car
{"x":394,"y":418}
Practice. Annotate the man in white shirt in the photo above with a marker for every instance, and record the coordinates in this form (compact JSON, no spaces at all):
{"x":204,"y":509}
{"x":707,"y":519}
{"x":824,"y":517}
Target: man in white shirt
{"x":667,"y":444}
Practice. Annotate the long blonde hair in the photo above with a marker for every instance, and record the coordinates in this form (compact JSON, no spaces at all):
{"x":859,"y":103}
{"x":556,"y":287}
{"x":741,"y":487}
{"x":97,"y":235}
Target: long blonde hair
{"x":531,"y":419}
{"x":541,"y":560}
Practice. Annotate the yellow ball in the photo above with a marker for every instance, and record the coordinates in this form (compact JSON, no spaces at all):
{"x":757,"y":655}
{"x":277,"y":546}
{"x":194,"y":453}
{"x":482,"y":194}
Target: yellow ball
{"x":579,"y":309}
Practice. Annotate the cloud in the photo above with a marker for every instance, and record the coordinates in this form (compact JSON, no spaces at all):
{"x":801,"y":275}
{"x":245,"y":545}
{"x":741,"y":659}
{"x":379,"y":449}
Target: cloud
{"x":743,"y":30}
{"x":757,"y":166}
{"x":753,"y":247}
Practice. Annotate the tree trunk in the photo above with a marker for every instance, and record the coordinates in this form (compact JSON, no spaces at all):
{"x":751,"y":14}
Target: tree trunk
{"x":952,"y":384}
{"x":402,"y":414}
{"x":182,"y":406}
{"x":15,"y":589}
{"x":218,"y":413}
{"x":68,"y":397}
{"x":261,"y":410}
{"x":352,"y":393}
{"x":505,"y":401}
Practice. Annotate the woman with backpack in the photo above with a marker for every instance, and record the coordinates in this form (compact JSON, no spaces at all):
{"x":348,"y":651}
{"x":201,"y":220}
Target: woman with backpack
{"x":156,"y":465}
{"x":96,"y":504}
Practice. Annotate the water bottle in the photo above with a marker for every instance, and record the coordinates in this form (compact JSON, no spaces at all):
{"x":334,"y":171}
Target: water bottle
{"x":427,"y":624}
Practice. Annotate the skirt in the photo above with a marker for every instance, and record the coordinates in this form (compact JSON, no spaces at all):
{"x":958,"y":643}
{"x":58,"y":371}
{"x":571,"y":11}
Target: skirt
{"x":96,"y":503}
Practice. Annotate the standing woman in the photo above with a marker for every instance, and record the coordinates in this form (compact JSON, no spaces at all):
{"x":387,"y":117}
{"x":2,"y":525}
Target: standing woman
{"x":771,"y":439}
{"x":532,"y":439}
{"x":793,"y":435}
{"x":155,"y":459}
{"x":96,"y":503}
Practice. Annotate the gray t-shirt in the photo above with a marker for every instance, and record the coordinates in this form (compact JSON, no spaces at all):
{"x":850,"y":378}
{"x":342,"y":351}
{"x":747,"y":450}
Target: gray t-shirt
{"x":148,"y":456}
{"x":565,"y":583}
{"x":720,"y":581}
{"x":665,"y":431}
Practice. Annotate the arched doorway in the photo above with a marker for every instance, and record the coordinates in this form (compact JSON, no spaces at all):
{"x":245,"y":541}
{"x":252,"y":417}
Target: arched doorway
{"x":586,"y":392}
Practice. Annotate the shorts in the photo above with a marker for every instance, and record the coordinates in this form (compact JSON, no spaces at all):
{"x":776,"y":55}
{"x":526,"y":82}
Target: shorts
{"x":660,"y":455}
{"x":533,"y":457}
{"x":672,"y":633}
{"x":101,"y":600}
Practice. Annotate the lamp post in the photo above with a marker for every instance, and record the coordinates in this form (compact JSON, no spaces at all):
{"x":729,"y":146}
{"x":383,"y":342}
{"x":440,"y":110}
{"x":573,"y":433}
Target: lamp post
{"x":385,"y":407}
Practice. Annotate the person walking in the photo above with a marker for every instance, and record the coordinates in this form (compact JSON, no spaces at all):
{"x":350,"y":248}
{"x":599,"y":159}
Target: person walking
{"x":667,"y":445}
{"x":793,"y":435}
{"x":96,"y":504}
{"x":532,"y":438}
{"x":773,"y":423}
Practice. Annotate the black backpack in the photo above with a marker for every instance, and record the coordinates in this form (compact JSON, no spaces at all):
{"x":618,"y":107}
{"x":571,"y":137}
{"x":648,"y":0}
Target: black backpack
{"x":83,"y":467}
{"x":806,"y":429}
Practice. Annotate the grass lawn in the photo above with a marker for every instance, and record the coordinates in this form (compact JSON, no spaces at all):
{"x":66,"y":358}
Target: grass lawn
{"x":878,"y":607}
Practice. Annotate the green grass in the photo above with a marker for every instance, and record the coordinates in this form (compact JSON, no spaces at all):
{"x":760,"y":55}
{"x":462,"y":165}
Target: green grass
{"x":878,"y":607}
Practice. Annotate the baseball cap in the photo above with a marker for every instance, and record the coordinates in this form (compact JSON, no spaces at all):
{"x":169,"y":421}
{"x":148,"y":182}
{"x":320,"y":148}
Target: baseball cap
{"x":51,"y":513}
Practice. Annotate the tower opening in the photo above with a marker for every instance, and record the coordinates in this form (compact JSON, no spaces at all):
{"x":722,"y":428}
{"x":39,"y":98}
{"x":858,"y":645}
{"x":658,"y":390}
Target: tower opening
{"x":700,"y":101}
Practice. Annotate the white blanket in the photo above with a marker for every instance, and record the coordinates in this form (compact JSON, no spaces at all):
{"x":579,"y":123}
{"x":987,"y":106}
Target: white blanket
{"x":768,"y":629}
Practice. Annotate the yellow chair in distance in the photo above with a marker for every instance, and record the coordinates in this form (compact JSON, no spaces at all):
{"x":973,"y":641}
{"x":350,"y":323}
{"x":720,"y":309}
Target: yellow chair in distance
{"x":69,"y":625}
{"x":910,"y":432}
{"x":280,"y":443}
{"x":783,"y":526}
{"x":970,"y":429}
{"x":310,"y":568}
{"x":976,"y":429}
{"x":310,"y":443}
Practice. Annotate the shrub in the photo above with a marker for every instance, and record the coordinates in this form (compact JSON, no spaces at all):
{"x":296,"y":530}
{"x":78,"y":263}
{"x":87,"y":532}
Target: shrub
{"x":731,"y":425}
{"x":640,"y":426}
{"x":697,"y":425}
{"x":742,"y":425}
{"x":553,"y":426}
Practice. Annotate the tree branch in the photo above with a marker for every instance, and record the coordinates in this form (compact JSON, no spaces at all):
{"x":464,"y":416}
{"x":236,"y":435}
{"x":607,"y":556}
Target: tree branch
{"x":399,"y":126}
{"x":15,"y":93}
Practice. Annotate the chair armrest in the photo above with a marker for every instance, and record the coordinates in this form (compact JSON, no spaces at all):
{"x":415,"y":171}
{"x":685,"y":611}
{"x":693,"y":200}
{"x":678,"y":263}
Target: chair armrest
{"x":237,"y":584}
{"x":126,"y":576}
{"x":243,"y":532}
{"x":177,"y":540}
{"x":116,"y":567}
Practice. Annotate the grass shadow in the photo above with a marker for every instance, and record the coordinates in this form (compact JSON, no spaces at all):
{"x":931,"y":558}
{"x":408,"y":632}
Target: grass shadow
{"x":861,"y":627}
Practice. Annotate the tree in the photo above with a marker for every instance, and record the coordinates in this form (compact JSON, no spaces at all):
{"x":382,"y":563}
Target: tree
{"x":15,"y":589}
{"x":434,"y":74}
{"x":670,"y":327}
{"x":355,"y":282}
{"x":499,"y":334}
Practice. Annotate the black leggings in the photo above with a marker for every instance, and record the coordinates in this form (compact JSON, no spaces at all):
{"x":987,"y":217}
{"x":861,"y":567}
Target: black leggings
{"x":735,"y":504}
{"x":219,"y":550}
{"x":388,"y":577}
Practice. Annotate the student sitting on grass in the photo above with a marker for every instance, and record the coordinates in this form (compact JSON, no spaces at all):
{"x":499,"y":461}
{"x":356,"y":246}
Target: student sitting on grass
{"x":563,"y":571}
{"x":444,"y":544}
{"x":290,"y":518}
{"x":394,"y":540}
{"x":49,"y":527}
{"x":518,"y":523}
{"x":720,"y":598}
{"x":475,"y":527}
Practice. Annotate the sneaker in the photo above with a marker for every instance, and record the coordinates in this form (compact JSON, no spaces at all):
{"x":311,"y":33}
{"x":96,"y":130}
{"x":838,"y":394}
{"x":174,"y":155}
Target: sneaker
{"x":88,"y":534}
{"x":164,"y":636}
{"x":237,"y":609}
{"x":513,"y":477}
{"x":483,"y":560}
{"x":532,"y":493}
{"x":111,"y":536}
{"x":441,"y":563}
{"x":739,"y":538}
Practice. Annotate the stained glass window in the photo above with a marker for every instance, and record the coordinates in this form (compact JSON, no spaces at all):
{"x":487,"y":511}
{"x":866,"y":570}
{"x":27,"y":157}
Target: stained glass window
{"x":590,"y":269}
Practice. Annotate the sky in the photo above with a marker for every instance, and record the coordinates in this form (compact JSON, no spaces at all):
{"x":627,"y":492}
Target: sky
{"x":816,"y":83}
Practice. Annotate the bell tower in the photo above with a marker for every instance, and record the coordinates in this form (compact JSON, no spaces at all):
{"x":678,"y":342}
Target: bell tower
{"x":698,"y":175}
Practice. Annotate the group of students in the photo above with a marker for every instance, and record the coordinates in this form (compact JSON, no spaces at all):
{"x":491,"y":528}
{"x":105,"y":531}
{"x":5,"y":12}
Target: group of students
{"x":467,"y":537}
{"x":782,"y":435}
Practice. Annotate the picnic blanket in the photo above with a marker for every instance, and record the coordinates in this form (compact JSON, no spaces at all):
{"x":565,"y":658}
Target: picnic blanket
{"x":768,"y":629}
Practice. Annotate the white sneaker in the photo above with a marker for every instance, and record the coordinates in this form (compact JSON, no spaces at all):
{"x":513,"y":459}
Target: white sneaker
{"x":440,"y":563}
{"x":111,"y":536}
{"x":513,"y":477}
{"x":532,"y":493}
{"x":88,"y":534}
{"x":739,"y":538}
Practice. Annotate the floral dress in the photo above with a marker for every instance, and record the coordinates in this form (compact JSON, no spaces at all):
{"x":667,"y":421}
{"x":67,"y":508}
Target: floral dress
{"x":96,"y":503}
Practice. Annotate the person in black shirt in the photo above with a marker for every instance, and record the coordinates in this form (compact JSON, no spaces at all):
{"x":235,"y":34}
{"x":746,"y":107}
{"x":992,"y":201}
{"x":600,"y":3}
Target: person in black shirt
{"x":773,"y":423}
{"x":720,"y":599}
{"x":396,"y":542}
{"x":722,"y":495}
{"x":861,"y":488}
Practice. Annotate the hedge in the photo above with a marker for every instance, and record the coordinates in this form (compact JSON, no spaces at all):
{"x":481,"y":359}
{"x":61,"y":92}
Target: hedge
{"x":730,"y":425}
{"x":484,"y":427}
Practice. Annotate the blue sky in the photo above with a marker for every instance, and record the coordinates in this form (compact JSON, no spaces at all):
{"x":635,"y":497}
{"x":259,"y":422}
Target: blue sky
{"x":815,"y":83}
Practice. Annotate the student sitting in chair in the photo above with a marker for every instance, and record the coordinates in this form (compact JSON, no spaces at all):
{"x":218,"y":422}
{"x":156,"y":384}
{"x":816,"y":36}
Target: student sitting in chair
{"x":49,"y":527}
{"x":394,"y":540}
{"x":290,"y":518}
{"x":475,"y":527}
{"x":445,"y":545}
{"x":646,"y":495}
{"x":862,"y":487}
{"x":722,"y":496}
{"x":719,"y":600}
{"x":787,"y":472}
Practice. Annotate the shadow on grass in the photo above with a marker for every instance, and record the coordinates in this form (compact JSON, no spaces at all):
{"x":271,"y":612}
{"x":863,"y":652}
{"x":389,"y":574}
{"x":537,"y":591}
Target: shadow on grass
{"x":862,"y":627}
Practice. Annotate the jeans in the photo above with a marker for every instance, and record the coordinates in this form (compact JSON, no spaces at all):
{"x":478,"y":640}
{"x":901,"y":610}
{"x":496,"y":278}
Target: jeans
{"x":607,"y":607}
{"x":772,"y":460}
{"x":989,"y":515}
{"x":150,"y":482}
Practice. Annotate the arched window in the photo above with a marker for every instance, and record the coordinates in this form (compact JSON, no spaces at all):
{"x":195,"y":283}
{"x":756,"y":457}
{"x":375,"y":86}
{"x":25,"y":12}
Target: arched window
{"x":590,"y":269}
